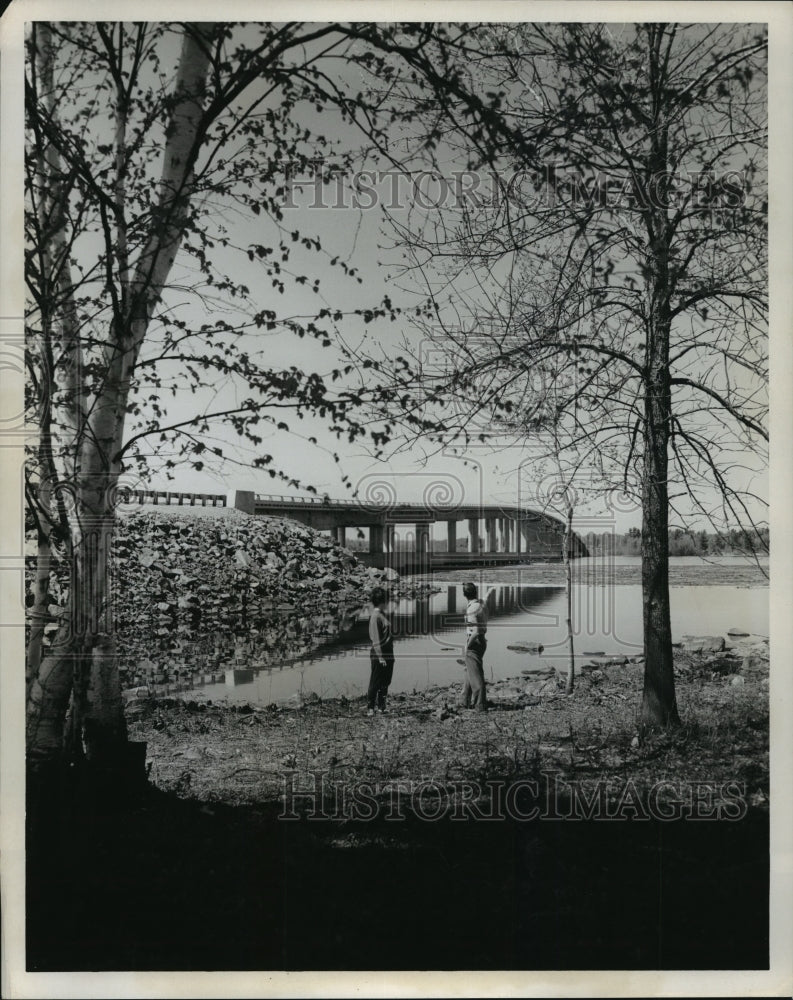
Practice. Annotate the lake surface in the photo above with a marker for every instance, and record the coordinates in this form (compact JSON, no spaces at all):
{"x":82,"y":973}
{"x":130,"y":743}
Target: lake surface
{"x":430,"y":636}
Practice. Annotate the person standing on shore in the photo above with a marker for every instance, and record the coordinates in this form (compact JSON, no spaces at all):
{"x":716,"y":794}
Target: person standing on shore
{"x":381,"y":654}
{"x":474,"y":692}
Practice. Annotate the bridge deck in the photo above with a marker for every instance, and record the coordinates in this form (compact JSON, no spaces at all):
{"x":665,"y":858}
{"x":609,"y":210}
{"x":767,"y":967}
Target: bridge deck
{"x":512,"y":534}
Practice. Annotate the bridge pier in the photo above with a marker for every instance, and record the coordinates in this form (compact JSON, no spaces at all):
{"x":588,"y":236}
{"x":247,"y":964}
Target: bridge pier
{"x":422,"y":549}
{"x":245,"y":500}
{"x":376,"y":535}
{"x":473,"y":535}
{"x":490,"y":530}
{"x":506,"y":534}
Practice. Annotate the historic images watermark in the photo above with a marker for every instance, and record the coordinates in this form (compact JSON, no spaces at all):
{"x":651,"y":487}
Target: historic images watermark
{"x":553,"y":184}
{"x":320,"y":795}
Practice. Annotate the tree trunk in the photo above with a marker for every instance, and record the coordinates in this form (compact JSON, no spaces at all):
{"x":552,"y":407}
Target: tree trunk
{"x":97,"y":693}
{"x":72,"y":677}
{"x":104,"y":724}
{"x":568,"y":574}
{"x":659,"y":705}
{"x":48,"y":702}
{"x":38,"y":613}
{"x":82,"y":668}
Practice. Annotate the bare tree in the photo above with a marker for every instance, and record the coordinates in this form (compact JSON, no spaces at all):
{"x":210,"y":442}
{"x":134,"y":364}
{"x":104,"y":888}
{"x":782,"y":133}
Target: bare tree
{"x":622,"y":248}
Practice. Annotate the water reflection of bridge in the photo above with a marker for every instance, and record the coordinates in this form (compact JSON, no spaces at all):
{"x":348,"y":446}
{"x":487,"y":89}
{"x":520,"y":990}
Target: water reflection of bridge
{"x":497,"y":535}
{"x":436,"y":614}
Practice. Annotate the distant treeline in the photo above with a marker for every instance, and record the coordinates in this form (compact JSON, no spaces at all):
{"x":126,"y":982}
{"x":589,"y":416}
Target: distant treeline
{"x":682,"y":542}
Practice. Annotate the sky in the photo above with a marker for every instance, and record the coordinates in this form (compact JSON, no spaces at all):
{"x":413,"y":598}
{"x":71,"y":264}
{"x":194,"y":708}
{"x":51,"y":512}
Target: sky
{"x":359,"y":236}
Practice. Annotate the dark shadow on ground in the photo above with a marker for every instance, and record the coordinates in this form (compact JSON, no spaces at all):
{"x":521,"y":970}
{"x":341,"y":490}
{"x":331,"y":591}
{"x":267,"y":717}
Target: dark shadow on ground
{"x":158,"y":883}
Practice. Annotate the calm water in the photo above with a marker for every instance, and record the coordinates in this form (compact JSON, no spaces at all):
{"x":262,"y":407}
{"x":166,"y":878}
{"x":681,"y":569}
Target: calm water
{"x":430,"y":637}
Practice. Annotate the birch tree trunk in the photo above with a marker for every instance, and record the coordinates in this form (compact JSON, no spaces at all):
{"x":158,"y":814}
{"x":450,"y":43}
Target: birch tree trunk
{"x":82,"y":664}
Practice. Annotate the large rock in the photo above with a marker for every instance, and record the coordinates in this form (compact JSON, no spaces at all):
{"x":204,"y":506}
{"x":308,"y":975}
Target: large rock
{"x":703,"y":643}
{"x":272,"y":561}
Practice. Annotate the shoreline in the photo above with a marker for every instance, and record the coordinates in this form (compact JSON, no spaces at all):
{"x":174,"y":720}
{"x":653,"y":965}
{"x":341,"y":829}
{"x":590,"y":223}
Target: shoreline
{"x":239,"y":754}
{"x":710,"y":573}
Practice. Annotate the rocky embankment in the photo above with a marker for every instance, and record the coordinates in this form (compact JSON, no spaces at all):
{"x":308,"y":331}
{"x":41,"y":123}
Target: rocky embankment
{"x":198,"y":590}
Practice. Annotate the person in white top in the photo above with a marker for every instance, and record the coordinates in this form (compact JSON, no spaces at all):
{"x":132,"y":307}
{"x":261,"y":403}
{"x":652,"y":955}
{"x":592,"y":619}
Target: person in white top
{"x":474,"y":693}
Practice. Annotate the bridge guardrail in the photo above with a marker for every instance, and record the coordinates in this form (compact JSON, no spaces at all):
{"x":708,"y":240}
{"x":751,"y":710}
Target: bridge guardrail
{"x":329,"y":501}
{"x":336,"y":502}
{"x":128,"y":495}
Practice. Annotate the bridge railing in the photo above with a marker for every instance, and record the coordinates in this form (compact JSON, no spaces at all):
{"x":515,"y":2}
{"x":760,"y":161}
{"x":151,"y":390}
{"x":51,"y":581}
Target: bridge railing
{"x":266,"y":498}
{"x":324,"y":501}
{"x":168,"y":497}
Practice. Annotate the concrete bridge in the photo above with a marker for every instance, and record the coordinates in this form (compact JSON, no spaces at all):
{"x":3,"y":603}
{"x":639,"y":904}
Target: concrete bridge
{"x":496,"y":534}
